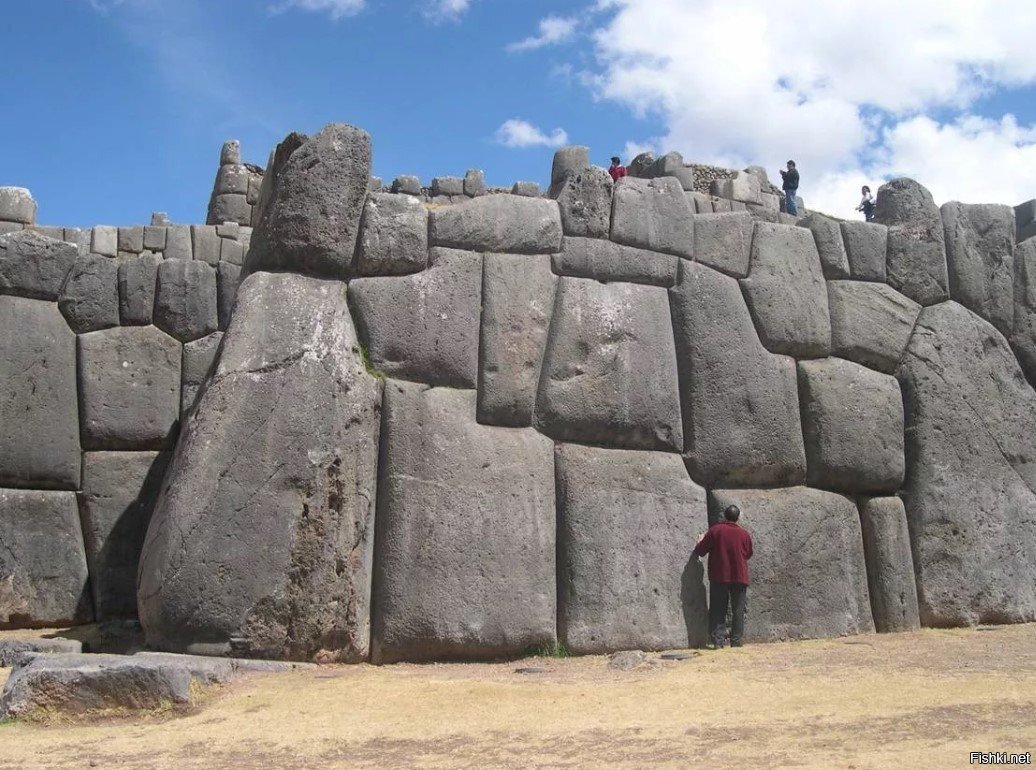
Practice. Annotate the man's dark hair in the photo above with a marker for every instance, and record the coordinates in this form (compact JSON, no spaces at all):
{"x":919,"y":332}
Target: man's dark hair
{"x":616,"y":159}
{"x":732,"y":513}
{"x":791,"y":163}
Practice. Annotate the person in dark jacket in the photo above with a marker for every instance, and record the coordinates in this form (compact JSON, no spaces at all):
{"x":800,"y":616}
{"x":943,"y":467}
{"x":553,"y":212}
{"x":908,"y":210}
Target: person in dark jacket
{"x":729,"y":547}
{"x":791,"y":188}
{"x":617,"y":170}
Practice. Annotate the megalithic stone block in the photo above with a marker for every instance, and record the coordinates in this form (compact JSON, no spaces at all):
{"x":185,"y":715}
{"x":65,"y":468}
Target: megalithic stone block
{"x":465,"y":565}
{"x":653,"y":214}
{"x":916,"y":257}
{"x":138,"y":277}
{"x":89,"y":298}
{"x":186,"y":303}
{"x":828,"y":237}
{"x":312,"y":220}
{"x":865,"y":247}
{"x":890,"y":565}
{"x":198,"y":360}
{"x":39,"y":413}
{"x":498,"y":223}
{"x":808,"y":573}
{"x":393,"y":236}
{"x":627,"y":523}
{"x":42,"y":564}
{"x":585,"y":202}
{"x":17,"y":205}
{"x":279,"y":457}
{"x":870,"y":323}
{"x":34,"y":266}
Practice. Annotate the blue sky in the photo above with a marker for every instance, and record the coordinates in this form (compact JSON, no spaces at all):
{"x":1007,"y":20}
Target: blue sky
{"x":118,"y":107}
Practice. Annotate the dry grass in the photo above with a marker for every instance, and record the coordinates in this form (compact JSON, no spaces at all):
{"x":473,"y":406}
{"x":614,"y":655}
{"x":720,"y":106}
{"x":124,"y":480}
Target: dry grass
{"x":924,"y":699}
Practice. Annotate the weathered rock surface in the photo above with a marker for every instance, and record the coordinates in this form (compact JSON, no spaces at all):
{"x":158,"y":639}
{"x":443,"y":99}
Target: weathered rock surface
{"x":1023,"y":339}
{"x":186,"y":303}
{"x":115,"y":505}
{"x":980,"y":260}
{"x":890,"y":565}
{"x":809,"y":578}
{"x":279,"y":457}
{"x":585,"y":202}
{"x":13,"y":650}
{"x":198,"y":358}
{"x":137,"y":282}
{"x":870,"y":323}
{"x":39,"y":413}
{"x":740,"y":402}
{"x":465,"y":565}
{"x":393,"y":236}
{"x":627,"y":523}
{"x":916,"y":256}
{"x":517,"y":303}
{"x":34,"y":266}
{"x":852,"y":423}
{"x":607,"y":261}
{"x":568,"y":160}
{"x":89,"y":298}
{"x":503,"y":223}
{"x":609,"y":370}
{"x":424,"y":327}
{"x":724,"y":241}
{"x":17,"y":205}
{"x":228,"y":278}
{"x":828,"y":237}
{"x":865,"y":245}
{"x":969,"y":492}
{"x":43,"y":574}
{"x":311,"y":220}
{"x":786,"y":293}
{"x":129,"y":388}
{"x":653,"y":214}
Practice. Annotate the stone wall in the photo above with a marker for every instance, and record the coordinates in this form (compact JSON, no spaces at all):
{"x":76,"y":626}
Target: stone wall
{"x":464,"y":431}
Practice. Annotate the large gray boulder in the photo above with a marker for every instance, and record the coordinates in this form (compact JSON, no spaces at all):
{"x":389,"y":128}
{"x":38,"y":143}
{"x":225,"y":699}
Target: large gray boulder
{"x":890,"y":565}
{"x":393,"y":236}
{"x":310,"y":217}
{"x":425,"y":326}
{"x":43,"y":572}
{"x":13,"y":649}
{"x":609,"y":370}
{"x":89,"y":298}
{"x":740,"y":402}
{"x":198,"y":360}
{"x":828,"y":237}
{"x":39,"y":412}
{"x":627,"y":523}
{"x":119,"y":491}
{"x":138,"y":276}
{"x":870,"y":323}
{"x":653,"y":214}
{"x":186,"y":302}
{"x":17,"y":205}
{"x":129,"y":388}
{"x":568,"y":160}
{"x":34,"y":266}
{"x":608,"y":261}
{"x":724,"y":241}
{"x":585,"y":202}
{"x":809,"y":577}
{"x":980,"y":260}
{"x":517,"y":303}
{"x":465,"y":544}
{"x":1023,"y":339}
{"x":504,"y":223}
{"x":865,"y":246}
{"x":852,"y":423}
{"x":916,"y":256}
{"x":969,"y":492}
{"x":278,"y":457}
{"x":786,"y":293}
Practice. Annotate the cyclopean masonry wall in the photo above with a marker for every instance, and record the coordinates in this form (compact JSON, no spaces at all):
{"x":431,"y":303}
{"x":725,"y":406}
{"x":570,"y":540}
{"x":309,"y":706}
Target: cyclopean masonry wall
{"x":455,"y":423}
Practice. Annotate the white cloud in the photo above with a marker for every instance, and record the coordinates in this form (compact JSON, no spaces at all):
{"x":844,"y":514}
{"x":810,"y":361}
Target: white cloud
{"x":520,"y":133}
{"x":446,"y":10}
{"x":851,"y":95}
{"x":553,"y":30}
{"x":336,"y":9}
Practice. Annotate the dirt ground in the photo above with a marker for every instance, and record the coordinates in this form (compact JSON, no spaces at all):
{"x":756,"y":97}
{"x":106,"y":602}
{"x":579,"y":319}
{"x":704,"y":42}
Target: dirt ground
{"x":907,"y":700}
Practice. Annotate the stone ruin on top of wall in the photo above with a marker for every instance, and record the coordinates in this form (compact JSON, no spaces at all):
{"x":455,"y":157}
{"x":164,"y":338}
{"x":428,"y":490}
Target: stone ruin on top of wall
{"x":429,"y":432}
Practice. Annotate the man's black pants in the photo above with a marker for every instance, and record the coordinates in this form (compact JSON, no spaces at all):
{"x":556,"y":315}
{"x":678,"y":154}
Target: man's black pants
{"x":720,"y":595}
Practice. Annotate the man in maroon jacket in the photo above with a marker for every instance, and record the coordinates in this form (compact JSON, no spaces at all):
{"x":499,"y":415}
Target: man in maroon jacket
{"x":729,"y":548}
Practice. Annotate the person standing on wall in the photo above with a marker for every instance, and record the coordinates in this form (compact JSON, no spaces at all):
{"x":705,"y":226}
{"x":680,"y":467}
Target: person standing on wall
{"x":617,"y":170}
{"x":729,"y":547}
{"x":866,"y":203}
{"x":791,"y":187}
